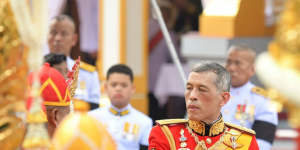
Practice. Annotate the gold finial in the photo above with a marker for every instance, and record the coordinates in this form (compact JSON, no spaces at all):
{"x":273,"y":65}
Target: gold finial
{"x":73,"y":77}
{"x":285,"y":49}
{"x":279,"y":69}
{"x":72,"y":81}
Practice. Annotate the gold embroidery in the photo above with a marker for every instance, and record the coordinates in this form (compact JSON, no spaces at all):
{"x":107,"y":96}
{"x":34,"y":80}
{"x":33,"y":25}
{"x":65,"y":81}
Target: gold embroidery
{"x":201,"y":144}
{"x":199,"y":127}
{"x":230,"y":139}
{"x":217,"y":128}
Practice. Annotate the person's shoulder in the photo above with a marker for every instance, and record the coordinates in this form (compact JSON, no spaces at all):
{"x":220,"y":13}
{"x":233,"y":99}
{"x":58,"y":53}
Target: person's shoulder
{"x":240,"y":129}
{"x":87,"y":67}
{"x":238,"y":137}
{"x":172,"y":125}
{"x":171,"y":122}
{"x":141,"y":116}
{"x":259,"y":91}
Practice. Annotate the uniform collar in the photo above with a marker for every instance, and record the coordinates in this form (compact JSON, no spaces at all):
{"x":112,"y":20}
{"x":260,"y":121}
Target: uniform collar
{"x":70,"y":63}
{"x":120,"y":112}
{"x":203,"y":129}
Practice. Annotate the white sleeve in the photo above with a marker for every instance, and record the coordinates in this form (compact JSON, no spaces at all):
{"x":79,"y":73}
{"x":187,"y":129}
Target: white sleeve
{"x":263,"y":145}
{"x":145,"y":132}
{"x":94,"y":89}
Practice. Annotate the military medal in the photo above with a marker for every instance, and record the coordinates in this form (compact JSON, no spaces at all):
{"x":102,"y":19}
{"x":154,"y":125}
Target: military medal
{"x":135,"y":131}
{"x":183,"y":140}
{"x":241,"y":113}
{"x":208,"y":141}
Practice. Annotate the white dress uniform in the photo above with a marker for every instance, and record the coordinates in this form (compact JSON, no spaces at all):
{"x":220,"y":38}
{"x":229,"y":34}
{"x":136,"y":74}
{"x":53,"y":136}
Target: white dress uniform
{"x":88,"y":87}
{"x":249,"y":108}
{"x":129,"y":127}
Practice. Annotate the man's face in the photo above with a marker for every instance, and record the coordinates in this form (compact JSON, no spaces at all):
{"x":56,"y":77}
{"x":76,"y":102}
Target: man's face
{"x":203,"y":100}
{"x":119,"y":89}
{"x":240,"y":67}
{"x":62,"y":68}
{"x":62,"y":37}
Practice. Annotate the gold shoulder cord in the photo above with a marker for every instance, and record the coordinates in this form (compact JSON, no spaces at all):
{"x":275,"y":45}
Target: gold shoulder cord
{"x":169,"y":136}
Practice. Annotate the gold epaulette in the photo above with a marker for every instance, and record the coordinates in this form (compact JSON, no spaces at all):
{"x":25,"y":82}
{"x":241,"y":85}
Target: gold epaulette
{"x":87,"y":67}
{"x":240,"y":128}
{"x":260,"y":91}
{"x":171,"y":121}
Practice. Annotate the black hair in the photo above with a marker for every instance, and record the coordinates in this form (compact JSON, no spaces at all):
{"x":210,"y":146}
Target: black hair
{"x":120,"y":68}
{"x":55,"y":59}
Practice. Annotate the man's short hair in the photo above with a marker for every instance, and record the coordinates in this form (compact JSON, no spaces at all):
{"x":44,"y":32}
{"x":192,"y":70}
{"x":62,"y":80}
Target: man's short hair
{"x":246,"y":48}
{"x":120,"y":68}
{"x":55,"y":59}
{"x":223,"y":78}
{"x":63,"y":17}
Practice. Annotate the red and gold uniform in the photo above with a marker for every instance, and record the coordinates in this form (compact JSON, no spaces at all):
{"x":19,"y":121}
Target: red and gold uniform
{"x":54,"y":89}
{"x":181,"y":134}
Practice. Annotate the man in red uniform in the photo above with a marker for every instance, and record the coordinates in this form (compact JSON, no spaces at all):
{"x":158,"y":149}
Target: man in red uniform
{"x":55,"y":93}
{"x":207,"y":90}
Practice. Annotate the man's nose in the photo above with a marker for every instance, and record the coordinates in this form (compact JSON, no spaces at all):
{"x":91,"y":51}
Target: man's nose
{"x":57,"y":37}
{"x":193,"y":95}
{"x":118,"y":88}
{"x":230,"y":67}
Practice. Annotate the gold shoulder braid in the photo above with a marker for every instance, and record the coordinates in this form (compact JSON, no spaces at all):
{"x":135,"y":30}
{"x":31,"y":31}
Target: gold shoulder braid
{"x":87,"y":67}
{"x":170,"y":121}
{"x":259,"y":91}
{"x":240,"y":128}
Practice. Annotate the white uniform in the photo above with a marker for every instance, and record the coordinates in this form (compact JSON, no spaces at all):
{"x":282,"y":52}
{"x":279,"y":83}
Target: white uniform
{"x":88,"y":87}
{"x":252,"y":110}
{"x":129,"y":127}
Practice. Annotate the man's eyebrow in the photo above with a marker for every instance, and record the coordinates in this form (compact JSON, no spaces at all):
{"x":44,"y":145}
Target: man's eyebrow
{"x":188,"y":84}
{"x":204,"y":86}
{"x":198,"y":85}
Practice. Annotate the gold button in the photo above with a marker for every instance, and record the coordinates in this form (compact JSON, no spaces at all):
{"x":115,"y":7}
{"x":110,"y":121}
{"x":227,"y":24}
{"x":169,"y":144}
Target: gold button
{"x":208,"y":141}
{"x":183,"y":144}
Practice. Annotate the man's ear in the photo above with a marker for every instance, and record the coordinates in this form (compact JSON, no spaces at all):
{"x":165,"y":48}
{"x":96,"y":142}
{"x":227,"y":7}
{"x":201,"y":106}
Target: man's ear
{"x":225,"y":98}
{"x":75,"y":39}
{"x":54,"y":116}
{"x":105,"y":86}
{"x":252,"y":69}
{"x":133,"y":89}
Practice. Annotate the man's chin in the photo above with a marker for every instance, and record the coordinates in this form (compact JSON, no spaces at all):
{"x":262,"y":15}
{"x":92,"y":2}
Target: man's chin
{"x":193,"y":117}
{"x":57,"y":50}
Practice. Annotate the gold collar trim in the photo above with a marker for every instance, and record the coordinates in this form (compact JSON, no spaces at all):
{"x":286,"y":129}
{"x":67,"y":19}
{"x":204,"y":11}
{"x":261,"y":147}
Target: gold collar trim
{"x":204,"y":129}
{"x":117,"y":113}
